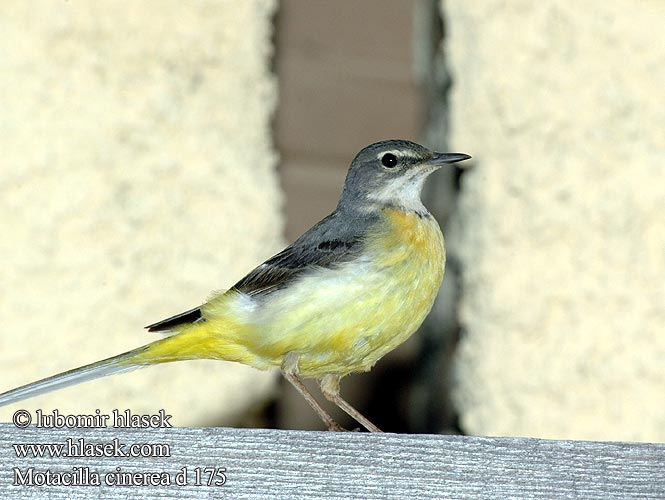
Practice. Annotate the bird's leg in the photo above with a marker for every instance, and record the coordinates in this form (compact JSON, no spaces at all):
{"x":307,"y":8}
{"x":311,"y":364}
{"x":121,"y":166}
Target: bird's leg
{"x":290,"y":370}
{"x":330,"y":389}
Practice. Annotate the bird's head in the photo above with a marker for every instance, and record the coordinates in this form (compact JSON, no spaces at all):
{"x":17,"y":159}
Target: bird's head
{"x":392,"y":173}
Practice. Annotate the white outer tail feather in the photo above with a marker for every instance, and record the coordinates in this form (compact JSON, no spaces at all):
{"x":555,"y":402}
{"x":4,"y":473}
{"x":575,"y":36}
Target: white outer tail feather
{"x":103,"y":368}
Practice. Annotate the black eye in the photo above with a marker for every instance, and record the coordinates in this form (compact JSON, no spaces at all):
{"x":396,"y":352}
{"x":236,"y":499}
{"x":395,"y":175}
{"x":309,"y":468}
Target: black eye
{"x":389,"y":160}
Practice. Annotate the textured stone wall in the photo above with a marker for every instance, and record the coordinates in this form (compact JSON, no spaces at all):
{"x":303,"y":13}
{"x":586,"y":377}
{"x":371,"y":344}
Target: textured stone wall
{"x":136,"y":175}
{"x":561,"y":227}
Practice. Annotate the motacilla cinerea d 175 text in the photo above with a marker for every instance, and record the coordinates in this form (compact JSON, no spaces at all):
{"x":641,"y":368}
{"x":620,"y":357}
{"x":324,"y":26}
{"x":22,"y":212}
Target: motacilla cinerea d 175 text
{"x":344,"y":294}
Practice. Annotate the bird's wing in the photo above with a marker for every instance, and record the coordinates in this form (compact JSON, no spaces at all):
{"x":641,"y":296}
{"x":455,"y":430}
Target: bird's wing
{"x":336,"y":239}
{"x":332,"y":241}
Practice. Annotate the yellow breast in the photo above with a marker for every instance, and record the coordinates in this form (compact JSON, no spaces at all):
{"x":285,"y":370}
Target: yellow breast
{"x":409,"y":238}
{"x":411,"y":258}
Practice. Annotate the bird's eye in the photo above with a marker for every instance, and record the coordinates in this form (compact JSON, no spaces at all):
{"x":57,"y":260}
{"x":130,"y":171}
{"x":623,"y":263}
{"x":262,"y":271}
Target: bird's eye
{"x":389,"y":160}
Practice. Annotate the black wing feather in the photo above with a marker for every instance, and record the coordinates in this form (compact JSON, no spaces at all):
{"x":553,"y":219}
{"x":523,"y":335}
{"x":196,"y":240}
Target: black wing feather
{"x":167,"y":324}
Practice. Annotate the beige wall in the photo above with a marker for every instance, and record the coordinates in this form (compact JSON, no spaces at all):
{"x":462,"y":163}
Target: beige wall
{"x":561,"y":227}
{"x":136,"y":175}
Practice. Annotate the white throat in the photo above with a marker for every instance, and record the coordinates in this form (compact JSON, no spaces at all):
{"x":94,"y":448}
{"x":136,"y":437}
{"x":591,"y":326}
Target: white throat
{"x":403,"y":191}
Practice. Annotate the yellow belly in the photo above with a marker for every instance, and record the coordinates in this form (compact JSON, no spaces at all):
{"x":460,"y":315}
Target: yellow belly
{"x":345,"y":319}
{"x":339,"y":320}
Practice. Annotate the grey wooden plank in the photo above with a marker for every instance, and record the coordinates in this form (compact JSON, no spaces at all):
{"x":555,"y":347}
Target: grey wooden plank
{"x":270,"y":464}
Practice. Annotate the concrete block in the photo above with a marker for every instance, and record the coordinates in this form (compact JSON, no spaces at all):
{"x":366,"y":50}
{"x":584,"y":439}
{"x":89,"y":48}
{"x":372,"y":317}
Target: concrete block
{"x":561,"y":226}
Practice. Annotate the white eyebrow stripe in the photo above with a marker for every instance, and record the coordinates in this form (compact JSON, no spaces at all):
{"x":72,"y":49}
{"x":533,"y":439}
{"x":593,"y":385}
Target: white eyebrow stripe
{"x":398,"y":153}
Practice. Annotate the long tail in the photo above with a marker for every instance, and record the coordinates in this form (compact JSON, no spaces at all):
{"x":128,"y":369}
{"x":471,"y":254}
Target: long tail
{"x":116,"y":364}
{"x":194,"y":344}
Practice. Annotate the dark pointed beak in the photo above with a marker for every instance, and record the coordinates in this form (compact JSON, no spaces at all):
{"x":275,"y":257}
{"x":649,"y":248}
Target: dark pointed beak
{"x":445,"y":158}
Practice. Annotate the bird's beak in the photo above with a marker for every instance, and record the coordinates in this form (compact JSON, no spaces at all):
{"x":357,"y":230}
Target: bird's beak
{"x":441,"y":159}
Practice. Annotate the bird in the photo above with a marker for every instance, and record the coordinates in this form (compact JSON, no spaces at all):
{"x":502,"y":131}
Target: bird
{"x":344,"y":294}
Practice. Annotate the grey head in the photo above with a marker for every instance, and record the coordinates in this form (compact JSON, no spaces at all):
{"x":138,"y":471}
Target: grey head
{"x":391,"y":173}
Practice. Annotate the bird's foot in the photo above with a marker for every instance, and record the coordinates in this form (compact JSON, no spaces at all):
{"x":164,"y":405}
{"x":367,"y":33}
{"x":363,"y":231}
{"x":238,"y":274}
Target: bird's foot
{"x":335,"y":427}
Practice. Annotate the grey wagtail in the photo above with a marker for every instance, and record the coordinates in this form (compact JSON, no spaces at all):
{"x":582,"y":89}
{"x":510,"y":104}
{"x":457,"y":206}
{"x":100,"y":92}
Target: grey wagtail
{"x":344,"y":294}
